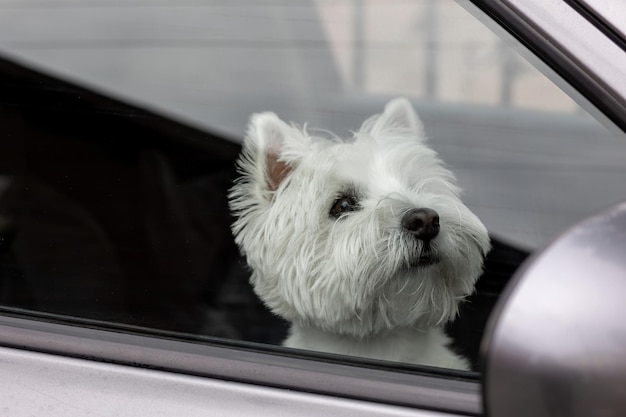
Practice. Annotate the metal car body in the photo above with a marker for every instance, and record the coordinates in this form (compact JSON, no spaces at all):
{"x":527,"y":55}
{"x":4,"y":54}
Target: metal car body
{"x":555,"y":346}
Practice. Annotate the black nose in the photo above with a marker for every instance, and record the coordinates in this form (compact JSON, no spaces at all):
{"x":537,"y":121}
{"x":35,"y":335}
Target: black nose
{"x":423,"y":223}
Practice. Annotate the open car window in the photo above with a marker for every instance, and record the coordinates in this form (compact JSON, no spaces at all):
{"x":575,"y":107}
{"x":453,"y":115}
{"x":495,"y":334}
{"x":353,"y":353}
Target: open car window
{"x":119,"y":142}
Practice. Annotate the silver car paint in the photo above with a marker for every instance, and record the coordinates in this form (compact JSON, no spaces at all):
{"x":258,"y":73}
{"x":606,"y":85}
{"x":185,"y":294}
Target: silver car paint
{"x":246,"y":363}
{"x":576,"y":45}
{"x":610,"y":12}
{"x":558,"y":342}
{"x":37,"y":384}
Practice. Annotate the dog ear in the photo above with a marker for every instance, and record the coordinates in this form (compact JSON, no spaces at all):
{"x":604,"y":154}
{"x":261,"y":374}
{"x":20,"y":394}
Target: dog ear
{"x":272,"y":138}
{"x":399,"y":117}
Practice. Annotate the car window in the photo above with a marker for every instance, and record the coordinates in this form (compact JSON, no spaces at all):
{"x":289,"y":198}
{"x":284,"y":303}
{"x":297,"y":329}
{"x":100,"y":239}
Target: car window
{"x":120,"y":140}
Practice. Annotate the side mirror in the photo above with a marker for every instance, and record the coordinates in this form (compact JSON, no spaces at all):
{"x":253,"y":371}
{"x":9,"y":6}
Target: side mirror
{"x":556,"y":344}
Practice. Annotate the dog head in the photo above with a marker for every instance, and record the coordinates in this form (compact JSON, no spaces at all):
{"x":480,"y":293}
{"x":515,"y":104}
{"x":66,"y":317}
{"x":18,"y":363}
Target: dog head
{"x":358,"y":236}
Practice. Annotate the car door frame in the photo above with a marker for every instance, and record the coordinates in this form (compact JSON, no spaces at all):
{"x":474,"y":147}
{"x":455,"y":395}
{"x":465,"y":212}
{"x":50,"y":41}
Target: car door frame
{"x":555,"y":33}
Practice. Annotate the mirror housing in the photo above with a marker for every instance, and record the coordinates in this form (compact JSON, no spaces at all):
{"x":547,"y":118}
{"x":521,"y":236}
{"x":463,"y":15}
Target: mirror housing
{"x":556,"y":342}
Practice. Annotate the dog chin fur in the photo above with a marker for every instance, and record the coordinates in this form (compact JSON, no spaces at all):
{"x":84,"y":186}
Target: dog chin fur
{"x":356,"y":282}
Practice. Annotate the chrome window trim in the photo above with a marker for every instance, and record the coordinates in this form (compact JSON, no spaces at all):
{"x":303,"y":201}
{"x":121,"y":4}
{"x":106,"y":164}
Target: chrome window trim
{"x":608,"y":13}
{"x":572,"y":46}
{"x":441,"y":393}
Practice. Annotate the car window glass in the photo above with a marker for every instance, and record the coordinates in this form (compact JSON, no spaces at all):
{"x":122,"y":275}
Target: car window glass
{"x":119,"y":142}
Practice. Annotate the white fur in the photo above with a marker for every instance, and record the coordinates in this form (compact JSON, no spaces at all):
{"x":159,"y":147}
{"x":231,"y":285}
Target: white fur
{"x":347,"y":284}
{"x":399,"y":345}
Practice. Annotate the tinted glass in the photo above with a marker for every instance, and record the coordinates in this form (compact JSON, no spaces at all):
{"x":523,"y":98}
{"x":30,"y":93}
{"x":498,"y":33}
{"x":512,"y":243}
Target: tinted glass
{"x":121,"y":126}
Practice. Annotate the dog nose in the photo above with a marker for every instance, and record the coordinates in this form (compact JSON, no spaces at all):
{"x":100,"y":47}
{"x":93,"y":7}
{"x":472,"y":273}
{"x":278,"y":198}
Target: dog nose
{"x":423,"y":223}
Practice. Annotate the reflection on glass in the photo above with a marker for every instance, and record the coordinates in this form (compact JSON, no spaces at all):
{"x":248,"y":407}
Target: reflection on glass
{"x":363,"y":245}
{"x":111,"y":212}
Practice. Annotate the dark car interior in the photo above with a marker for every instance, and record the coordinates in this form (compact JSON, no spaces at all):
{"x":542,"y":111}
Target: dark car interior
{"x":113,"y":213}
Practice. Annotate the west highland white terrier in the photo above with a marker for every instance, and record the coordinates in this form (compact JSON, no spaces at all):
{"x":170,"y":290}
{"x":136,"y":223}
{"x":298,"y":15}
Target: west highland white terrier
{"x":362,"y":244}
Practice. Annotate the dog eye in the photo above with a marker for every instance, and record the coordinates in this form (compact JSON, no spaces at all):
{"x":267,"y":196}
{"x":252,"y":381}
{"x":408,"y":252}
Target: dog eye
{"x":343,"y":205}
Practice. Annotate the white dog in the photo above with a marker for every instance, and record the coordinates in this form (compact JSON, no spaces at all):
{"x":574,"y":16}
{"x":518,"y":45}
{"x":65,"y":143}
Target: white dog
{"x":363,"y":245}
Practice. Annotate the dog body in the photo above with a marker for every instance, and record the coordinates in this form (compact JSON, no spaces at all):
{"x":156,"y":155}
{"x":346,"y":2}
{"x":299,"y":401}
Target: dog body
{"x":403,"y":344}
{"x":363,"y":244}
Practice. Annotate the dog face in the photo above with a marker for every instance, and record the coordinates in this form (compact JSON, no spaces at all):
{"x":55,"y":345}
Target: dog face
{"x":354,"y":237}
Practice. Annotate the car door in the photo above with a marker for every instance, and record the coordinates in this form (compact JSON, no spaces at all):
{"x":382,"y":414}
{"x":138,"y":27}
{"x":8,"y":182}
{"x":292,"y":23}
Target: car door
{"x":121,"y":289}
